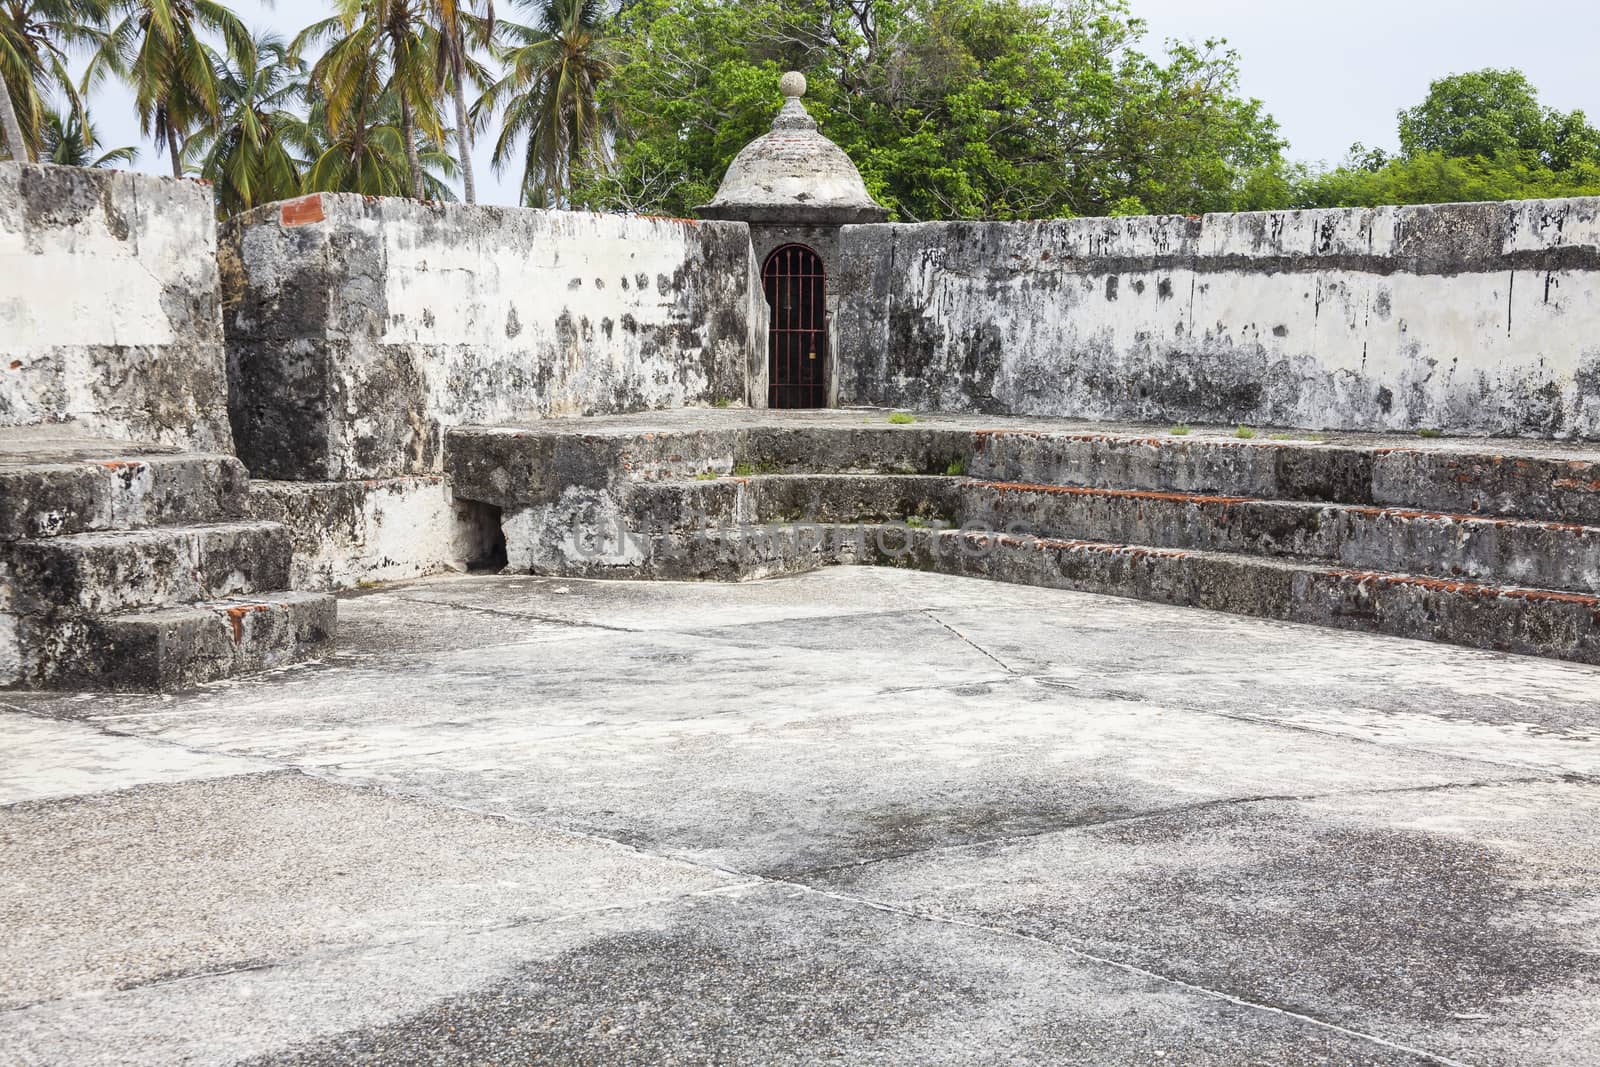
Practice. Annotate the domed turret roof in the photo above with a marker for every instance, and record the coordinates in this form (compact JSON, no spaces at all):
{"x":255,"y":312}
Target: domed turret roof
{"x":793,"y":174}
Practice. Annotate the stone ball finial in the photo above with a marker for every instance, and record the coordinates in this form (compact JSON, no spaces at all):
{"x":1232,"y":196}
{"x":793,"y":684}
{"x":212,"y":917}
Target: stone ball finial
{"x":792,"y":85}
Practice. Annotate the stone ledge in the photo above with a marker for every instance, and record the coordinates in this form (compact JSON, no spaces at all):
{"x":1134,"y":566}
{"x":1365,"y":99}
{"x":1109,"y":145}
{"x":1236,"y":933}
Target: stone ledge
{"x":347,"y":534}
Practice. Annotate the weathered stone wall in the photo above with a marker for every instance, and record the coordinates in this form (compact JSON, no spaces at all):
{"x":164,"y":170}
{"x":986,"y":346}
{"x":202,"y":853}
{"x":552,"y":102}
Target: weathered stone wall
{"x":109,"y":317}
{"x":359,"y":329}
{"x":378,"y":530}
{"x":1474,"y":318}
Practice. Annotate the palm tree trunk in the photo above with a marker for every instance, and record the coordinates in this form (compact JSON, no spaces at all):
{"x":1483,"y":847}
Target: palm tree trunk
{"x":172,"y":149}
{"x":408,"y":131}
{"x":13,"y":128}
{"x":469,"y":185}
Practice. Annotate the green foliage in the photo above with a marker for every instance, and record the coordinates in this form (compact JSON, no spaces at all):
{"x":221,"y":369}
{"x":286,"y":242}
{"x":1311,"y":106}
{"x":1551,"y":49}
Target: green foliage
{"x":247,"y":154}
{"x":1244,"y":432}
{"x":370,"y":157}
{"x":159,"y":47}
{"x":379,"y":52}
{"x":70,"y":141}
{"x":969,"y":109}
{"x":902,"y":418}
{"x":1180,"y":430}
{"x":997,"y":109}
{"x":552,"y":99}
{"x":460,"y":31}
{"x":1493,"y":113}
{"x":1432,"y":178}
{"x":1429,"y":432}
{"x":1478,"y":136}
{"x":36,"y":39}
{"x":956,"y":468}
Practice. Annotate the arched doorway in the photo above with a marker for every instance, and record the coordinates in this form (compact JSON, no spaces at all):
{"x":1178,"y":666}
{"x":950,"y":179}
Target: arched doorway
{"x":797,"y":341}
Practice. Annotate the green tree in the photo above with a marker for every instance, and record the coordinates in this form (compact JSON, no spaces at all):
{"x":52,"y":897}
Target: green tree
{"x":378,"y":51}
{"x":992,"y":109}
{"x":35,"y":38}
{"x":1490,"y":113}
{"x":551,"y":94}
{"x":1435,"y":178}
{"x":1477,"y":136}
{"x":249,"y":153}
{"x":159,"y":48}
{"x":70,"y":141}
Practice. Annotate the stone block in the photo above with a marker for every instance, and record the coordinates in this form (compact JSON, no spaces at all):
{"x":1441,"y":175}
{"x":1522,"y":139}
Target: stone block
{"x":117,"y":492}
{"x":175,"y":648}
{"x":121,"y":570}
{"x":111,"y":315}
{"x":361,"y":329}
{"x":347,"y":534}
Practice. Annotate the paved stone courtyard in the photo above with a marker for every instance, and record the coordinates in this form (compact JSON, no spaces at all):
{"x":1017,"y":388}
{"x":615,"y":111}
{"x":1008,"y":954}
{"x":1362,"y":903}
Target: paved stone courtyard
{"x":861,"y":815}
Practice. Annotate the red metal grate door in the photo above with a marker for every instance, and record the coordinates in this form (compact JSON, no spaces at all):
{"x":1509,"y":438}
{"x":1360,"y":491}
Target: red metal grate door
{"x":797,"y":344}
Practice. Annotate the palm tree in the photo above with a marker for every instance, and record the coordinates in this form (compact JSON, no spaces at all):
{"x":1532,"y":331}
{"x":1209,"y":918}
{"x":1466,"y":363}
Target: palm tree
{"x":159,"y":50}
{"x":454,"y":63}
{"x":371,"y":158}
{"x":248,"y":155}
{"x":378,"y":49}
{"x":551,"y":95}
{"x":70,"y":141}
{"x":10,"y":128}
{"x":35,"y":36}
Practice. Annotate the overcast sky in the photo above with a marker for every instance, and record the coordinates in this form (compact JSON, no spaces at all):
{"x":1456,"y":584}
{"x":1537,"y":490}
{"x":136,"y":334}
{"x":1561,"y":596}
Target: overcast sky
{"x":1331,"y":74}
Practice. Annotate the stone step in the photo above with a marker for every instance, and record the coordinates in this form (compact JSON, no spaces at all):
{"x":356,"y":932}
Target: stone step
{"x":1547,"y":555}
{"x":175,"y":648}
{"x":593,"y":531}
{"x":722,"y":553}
{"x":1536,"y":622}
{"x":121,"y":570}
{"x":775,"y":498}
{"x":514,"y":466}
{"x":115,"y":488}
{"x":872,"y":447}
{"x":1507,"y":618}
{"x":1467,"y":476}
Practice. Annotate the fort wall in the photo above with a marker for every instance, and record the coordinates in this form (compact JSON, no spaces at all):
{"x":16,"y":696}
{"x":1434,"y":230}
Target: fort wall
{"x":1466,"y":318}
{"x":109,"y":320}
{"x":359,"y":329}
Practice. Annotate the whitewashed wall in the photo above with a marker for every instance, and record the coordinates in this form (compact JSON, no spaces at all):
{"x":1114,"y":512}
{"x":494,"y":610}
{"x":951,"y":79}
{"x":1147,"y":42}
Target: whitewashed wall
{"x":1463,"y":317}
{"x":359,"y":329}
{"x":109,"y":317}
{"x":377,"y":530}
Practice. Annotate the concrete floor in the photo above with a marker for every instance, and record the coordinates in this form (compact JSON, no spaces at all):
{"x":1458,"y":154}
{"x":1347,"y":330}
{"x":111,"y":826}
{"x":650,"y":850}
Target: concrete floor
{"x":864,"y":816}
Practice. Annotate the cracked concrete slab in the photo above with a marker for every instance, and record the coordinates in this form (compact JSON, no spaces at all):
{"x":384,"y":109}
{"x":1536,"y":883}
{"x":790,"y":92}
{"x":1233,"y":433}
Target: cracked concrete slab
{"x":1465,"y":919}
{"x":356,"y":707}
{"x":387,"y":625}
{"x":168,"y":881}
{"x":1439,"y":698}
{"x":867,"y":815}
{"x":41,"y":759}
{"x":768,"y":974}
{"x":692,"y":606}
{"x":776,"y":791}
